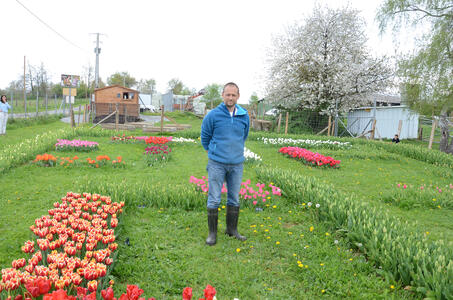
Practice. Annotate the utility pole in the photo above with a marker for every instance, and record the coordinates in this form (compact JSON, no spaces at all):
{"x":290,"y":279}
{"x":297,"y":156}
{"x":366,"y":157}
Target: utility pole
{"x":97,"y":50}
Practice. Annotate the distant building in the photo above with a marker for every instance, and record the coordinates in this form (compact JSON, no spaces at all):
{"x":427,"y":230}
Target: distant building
{"x":383,"y":100}
{"x":388,"y":118}
{"x":107,"y":99}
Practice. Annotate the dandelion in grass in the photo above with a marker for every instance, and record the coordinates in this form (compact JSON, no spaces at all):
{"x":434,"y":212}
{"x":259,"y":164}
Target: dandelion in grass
{"x":311,"y":228}
{"x":238,"y":250}
{"x":392,"y":287}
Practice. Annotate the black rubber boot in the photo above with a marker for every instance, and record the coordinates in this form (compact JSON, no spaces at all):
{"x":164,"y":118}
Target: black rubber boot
{"x":213,"y":216}
{"x":232,"y":217}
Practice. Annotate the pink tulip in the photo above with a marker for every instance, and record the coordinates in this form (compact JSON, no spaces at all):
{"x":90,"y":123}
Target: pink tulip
{"x":255,"y":202}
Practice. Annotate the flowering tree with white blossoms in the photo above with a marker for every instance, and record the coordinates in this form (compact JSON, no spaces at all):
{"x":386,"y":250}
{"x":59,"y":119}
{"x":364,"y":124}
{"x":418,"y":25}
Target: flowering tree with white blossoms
{"x":323,"y":64}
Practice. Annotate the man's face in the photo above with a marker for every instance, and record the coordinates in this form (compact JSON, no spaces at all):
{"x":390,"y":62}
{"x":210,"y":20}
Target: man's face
{"x":230,"y":96}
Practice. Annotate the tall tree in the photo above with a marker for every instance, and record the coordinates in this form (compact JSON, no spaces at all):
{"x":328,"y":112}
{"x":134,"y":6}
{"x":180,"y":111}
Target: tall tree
{"x":122,"y":78}
{"x":146,"y":86}
{"x":212,"y":94}
{"x":253,"y":103}
{"x":427,"y":75}
{"x":176,"y":86}
{"x":323,"y":64}
{"x":38,"y":78}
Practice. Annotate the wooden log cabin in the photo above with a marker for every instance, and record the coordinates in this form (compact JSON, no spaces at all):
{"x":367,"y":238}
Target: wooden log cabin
{"x":107,"y":99}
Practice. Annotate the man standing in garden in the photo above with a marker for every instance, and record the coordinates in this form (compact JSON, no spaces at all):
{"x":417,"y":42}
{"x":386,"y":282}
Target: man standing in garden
{"x":223,"y":134}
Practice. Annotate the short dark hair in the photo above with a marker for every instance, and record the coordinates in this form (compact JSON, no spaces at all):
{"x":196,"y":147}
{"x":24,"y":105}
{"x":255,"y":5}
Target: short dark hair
{"x":230,"y":84}
{"x":1,"y":98}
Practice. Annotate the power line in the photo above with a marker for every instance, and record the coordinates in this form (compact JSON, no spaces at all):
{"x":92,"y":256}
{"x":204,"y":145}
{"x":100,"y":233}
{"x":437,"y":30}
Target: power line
{"x":50,"y":27}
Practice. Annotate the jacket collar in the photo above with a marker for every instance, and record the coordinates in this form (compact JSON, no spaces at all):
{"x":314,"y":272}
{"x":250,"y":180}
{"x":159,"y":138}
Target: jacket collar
{"x":239,"y":110}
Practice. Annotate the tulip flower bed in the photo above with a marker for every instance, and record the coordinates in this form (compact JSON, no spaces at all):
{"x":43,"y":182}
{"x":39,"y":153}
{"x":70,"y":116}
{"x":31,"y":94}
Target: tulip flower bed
{"x":258,"y":196}
{"x":48,"y":160}
{"x":128,"y":139}
{"x":76,"y":145}
{"x":409,"y":196}
{"x":310,"y":158}
{"x":424,"y":267}
{"x":102,"y":160}
{"x":75,"y":247}
{"x":158,"y":140}
{"x":251,"y":157}
{"x":155,"y":155}
{"x":183,"y":140}
{"x":307,"y":143}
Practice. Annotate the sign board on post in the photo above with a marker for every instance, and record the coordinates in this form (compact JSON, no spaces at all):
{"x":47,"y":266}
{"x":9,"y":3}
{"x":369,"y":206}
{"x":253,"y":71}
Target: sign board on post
{"x":69,"y":99}
{"x":70,"y":81}
{"x":66,"y":92}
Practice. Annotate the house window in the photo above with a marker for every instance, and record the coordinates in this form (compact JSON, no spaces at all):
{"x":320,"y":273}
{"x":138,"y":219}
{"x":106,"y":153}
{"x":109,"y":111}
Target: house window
{"x":131,"y":95}
{"x":125,"y":96}
{"x":118,"y":95}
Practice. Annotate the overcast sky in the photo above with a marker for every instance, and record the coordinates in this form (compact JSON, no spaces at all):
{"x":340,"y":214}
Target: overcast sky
{"x":197,"y":41}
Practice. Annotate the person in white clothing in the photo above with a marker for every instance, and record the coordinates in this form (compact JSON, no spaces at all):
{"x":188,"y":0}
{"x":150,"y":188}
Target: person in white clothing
{"x":4,"y":108}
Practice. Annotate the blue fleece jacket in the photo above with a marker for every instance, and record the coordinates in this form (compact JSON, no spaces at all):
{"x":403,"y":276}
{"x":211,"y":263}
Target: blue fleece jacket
{"x":224,"y":135}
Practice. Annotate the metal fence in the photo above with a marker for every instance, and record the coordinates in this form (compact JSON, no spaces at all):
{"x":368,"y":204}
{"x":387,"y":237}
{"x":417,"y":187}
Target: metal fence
{"x":35,"y":104}
{"x":382,"y":124}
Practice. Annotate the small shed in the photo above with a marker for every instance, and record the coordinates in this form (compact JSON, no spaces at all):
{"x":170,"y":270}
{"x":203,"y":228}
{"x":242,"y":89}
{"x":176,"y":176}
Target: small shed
{"x":388,"y":120}
{"x":109,"y":97}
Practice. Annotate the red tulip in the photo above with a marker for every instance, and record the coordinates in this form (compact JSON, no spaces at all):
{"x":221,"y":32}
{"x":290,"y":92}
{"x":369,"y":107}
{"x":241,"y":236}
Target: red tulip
{"x":209,"y":292}
{"x":108,"y":294}
{"x":187,"y":293}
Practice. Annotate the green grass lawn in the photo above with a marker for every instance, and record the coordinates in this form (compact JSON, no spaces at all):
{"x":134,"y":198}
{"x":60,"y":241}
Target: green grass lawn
{"x":367,"y":175}
{"x":165,"y":249}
